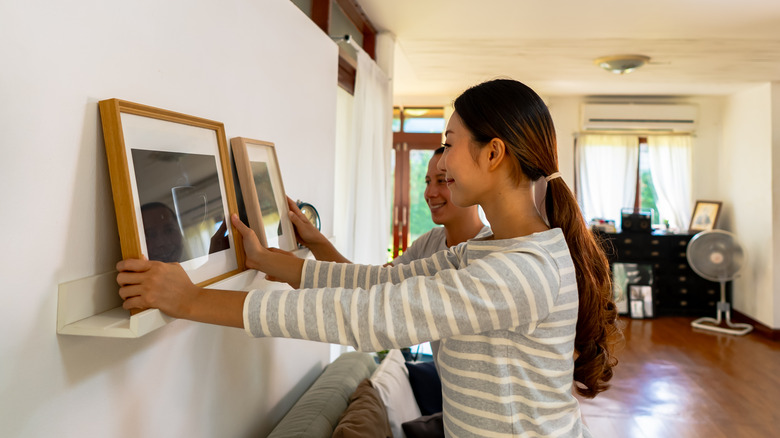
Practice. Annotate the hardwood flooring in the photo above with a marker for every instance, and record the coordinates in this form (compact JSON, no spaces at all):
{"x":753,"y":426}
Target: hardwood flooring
{"x":674,"y":381}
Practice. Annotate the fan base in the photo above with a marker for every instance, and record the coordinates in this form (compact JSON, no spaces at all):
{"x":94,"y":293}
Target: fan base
{"x":713,"y":324}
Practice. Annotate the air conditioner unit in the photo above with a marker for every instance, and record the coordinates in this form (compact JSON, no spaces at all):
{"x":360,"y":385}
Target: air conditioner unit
{"x":639,"y":117}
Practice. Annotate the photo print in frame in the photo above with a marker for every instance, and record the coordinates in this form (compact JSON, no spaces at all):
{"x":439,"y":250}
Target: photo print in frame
{"x":173,"y":190}
{"x":705,"y":216}
{"x":625,"y":274}
{"x":263,"y":192}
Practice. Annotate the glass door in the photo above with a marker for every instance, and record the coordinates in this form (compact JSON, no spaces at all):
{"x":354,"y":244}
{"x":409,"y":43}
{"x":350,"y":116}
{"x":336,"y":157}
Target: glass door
{"x":417,"y":132}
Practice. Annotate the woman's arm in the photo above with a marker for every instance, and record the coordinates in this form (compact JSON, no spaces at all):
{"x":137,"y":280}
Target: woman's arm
{"x":165,"y":286}
{"x":309,"y":236}
{"x":498,"y":292}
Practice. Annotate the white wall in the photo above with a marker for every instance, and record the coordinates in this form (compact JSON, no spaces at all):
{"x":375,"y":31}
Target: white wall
{"x":260,"y":67}
{"x":749,"y":171}
{"x":565,"y":111}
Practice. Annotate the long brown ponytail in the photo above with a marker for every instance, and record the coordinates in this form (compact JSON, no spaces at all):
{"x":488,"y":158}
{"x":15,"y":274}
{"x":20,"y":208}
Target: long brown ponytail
{"x":509,"y":110}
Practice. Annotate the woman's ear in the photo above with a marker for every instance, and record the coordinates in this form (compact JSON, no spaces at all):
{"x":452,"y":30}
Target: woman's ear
{"x":494,"y":153}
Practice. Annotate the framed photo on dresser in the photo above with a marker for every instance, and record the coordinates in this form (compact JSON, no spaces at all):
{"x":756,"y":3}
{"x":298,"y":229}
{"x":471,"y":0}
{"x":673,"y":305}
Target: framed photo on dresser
{"x":705,"y":216}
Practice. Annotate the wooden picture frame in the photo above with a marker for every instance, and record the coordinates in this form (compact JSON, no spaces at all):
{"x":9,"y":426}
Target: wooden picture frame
{"x":705,"y":216}
{"x":263,"y":192}
{"x":173,"y":189}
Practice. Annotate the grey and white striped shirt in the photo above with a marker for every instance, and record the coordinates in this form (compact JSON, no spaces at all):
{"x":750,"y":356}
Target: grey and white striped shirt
{"x":505,"y":311}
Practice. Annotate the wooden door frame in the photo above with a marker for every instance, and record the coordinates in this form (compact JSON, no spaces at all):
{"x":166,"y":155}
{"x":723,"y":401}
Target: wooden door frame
{"x":403,"y":142}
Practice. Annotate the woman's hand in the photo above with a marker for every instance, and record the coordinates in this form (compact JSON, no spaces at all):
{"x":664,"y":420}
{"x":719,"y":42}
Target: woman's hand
{"x":309,"y":236}
{"x":305,"y":233}
{"x":165,"y":286}
{"x":277,"y":265}
{"x":252,"y":248}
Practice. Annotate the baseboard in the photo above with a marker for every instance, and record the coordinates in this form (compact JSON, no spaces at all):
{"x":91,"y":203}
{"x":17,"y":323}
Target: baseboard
{"x":763,"y":330}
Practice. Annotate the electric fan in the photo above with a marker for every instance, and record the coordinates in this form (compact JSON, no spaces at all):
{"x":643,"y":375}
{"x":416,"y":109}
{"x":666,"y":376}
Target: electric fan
{"x":717,"y":256}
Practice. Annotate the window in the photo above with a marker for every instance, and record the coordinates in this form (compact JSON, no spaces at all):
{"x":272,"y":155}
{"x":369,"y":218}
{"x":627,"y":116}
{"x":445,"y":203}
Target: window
{"x":417,"y":132}
{"x":631,"y":171}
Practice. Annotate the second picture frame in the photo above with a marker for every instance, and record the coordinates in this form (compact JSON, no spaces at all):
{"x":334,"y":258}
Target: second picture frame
{"x":263,"y":192}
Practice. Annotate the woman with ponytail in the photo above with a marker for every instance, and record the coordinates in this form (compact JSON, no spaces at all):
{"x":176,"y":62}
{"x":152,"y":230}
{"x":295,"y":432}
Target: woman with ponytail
{"x":523,"y":314}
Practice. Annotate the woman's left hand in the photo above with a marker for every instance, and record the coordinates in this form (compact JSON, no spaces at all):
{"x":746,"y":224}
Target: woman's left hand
{"x":165,"y":286}
{"x":277,"y":265}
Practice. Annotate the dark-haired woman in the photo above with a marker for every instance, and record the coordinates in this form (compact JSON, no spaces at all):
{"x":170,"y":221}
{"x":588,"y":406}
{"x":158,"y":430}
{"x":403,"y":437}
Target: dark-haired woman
{"x":522,"y":314}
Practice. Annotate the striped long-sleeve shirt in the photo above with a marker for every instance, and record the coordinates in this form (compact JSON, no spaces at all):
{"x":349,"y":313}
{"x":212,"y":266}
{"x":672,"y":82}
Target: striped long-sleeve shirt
{"x":505,"y":311}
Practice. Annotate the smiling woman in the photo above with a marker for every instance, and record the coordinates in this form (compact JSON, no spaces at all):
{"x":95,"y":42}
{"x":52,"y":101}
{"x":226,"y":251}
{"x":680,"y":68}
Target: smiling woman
{"x":512,"y":309}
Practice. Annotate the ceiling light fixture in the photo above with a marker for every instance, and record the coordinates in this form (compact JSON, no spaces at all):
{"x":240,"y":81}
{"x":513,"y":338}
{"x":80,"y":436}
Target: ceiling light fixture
{"x":621,"y":64}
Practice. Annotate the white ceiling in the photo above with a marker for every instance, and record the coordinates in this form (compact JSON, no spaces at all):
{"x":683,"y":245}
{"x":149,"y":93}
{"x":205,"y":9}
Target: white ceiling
{"x":697,"y":47}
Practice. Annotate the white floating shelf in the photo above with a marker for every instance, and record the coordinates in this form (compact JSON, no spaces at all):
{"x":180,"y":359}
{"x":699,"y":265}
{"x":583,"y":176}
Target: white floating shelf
{"x":92,"y":306}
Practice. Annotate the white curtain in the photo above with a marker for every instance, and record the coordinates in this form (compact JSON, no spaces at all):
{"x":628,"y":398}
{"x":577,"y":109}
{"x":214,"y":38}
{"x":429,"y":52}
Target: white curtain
{"x":362,"y":221}
{"x":670,"y":166}
{"x":606,"y":174}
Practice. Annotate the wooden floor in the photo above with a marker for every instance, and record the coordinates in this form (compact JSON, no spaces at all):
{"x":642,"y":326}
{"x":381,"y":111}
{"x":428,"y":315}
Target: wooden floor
{"x":673,"y":381}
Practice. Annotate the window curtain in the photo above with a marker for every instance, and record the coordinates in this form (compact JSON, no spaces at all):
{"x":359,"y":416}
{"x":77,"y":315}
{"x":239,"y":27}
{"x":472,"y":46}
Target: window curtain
{"x":606,"y":174}
{"x":670,"y":167}
{"x":362,"y":221}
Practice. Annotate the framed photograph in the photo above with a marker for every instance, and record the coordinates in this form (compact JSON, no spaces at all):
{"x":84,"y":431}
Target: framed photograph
{"x":705,"y":216}
{"x":625,"y":274}
{"x":641,"y":297}
{"x":173,"y":189}
{"x":637,"y":310}
{"x":263,"y":192}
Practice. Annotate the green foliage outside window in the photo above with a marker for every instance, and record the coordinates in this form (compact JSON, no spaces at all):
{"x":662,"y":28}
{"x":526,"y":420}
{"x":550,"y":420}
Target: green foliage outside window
{"x":648,"y":197}
{"x":419,"y":215}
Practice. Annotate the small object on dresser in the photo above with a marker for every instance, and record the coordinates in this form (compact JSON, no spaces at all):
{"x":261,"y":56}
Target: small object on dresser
{"x":636,"y":220}
{"x":641,"y":298}
{"x":603,"y":225}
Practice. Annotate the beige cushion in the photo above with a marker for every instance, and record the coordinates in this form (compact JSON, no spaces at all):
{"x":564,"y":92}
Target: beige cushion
{"x":391,"y":380}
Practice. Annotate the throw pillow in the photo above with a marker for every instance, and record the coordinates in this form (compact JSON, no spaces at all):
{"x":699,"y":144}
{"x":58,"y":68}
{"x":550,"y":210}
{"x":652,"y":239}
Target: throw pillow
{"x":391,"y":380}
{"x":426,"y":386}
{"x":365,"y":417}
{"x":430,"y":426}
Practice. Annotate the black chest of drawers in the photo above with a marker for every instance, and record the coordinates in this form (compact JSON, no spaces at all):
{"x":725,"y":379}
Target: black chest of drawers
{"x":677,"y":290}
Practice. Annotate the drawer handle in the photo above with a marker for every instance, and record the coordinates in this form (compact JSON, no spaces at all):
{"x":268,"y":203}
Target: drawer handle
{"x":628,"y":241}
{"x":682,"y":266}
{"x":683,"y":291}
{"x":655,"y":253}
{"x":682,"y":278}
{"x":683,"y":303}
{"x":655,"y":242}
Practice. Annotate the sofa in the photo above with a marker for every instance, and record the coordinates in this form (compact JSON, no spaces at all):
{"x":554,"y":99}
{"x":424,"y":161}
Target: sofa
{"x":356,"y":397}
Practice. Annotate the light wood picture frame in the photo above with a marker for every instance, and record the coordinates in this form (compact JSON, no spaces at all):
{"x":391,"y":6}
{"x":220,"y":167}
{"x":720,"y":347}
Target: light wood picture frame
{"x":173,"y":189}
{"x":705,"y":216}
{"x":263,"y":192}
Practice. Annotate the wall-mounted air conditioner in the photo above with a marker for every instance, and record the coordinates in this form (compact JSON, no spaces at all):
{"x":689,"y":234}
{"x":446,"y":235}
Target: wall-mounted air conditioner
{"x":639,"y":117}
